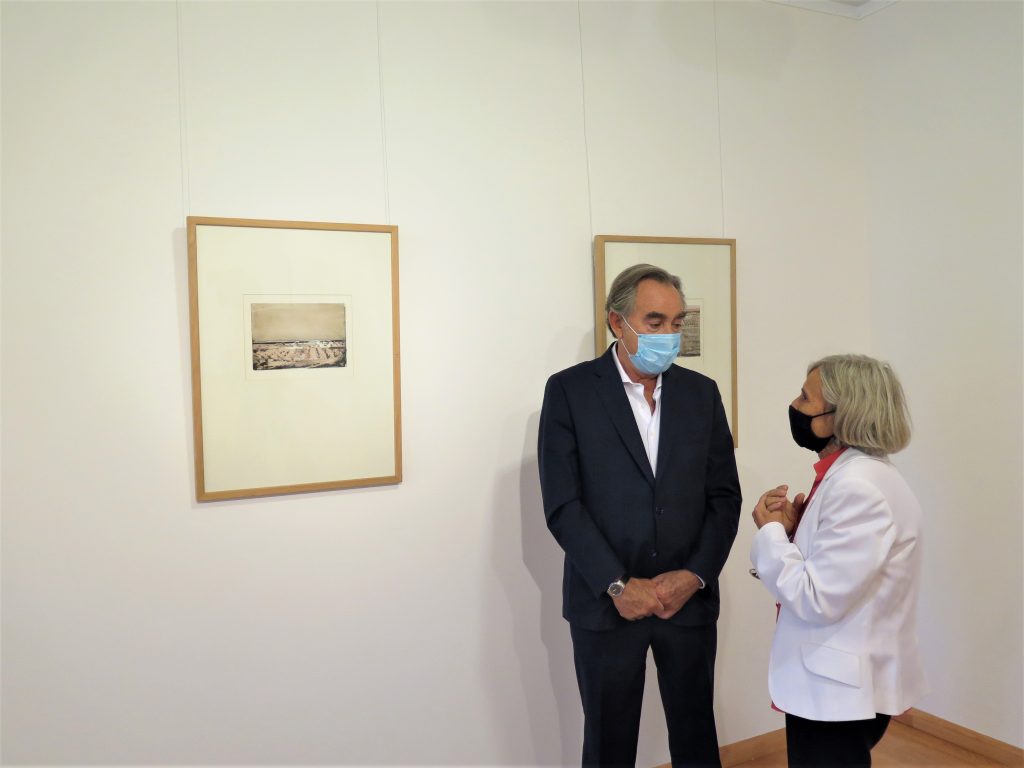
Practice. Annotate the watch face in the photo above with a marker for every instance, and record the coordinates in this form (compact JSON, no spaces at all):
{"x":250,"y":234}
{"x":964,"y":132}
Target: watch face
{"x":616,"y":589}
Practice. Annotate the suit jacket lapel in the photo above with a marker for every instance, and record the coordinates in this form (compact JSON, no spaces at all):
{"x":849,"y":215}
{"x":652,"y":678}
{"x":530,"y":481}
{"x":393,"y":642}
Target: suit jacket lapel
{"x":610,"y":388}
{"x":676,"y":414}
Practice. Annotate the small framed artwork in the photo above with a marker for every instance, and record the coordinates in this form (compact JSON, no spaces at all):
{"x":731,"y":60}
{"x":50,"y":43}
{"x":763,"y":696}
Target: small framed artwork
{"x":295,"y":356}
{"x":707,"y":269}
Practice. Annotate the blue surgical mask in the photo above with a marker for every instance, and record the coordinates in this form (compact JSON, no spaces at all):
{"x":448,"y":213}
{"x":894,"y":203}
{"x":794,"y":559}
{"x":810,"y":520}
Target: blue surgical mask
{"x":655,"y":352}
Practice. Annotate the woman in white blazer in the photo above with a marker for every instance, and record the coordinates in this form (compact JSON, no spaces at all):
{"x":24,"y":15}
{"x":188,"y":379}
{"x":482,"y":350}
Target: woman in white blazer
{"x":843,"y":565}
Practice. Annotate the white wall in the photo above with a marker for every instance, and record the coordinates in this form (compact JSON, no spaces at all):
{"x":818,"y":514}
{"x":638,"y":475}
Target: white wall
{"x":944,"y":166}
{"x":791,"y":106}
{"x":418,"y":624}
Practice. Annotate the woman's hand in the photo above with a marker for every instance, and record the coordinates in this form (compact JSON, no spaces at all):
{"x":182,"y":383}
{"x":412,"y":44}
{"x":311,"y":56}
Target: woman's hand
{"x":775,"y":507}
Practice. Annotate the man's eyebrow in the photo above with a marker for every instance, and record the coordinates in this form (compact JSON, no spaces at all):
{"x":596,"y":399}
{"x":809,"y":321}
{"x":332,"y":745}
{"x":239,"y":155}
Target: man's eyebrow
{"x":655,"y":316}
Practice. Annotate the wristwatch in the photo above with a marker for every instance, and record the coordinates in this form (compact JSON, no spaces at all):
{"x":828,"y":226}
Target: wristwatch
{"x":617,"y":587}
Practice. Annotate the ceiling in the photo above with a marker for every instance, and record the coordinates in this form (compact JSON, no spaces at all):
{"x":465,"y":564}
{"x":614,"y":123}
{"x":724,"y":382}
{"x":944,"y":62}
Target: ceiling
{"x":851,"y":9}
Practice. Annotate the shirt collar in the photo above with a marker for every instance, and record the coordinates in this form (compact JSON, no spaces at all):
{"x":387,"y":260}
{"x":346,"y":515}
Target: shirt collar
{"x":823,"y":466}
{"x":622,"y":371}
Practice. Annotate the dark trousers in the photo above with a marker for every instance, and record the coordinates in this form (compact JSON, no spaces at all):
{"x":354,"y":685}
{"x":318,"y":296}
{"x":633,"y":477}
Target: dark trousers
{"x":821,"y":744}
{"x":610,"y":668}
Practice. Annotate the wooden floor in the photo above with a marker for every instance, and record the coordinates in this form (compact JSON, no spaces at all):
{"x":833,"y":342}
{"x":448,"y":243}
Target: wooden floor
{"x":902,"y":746}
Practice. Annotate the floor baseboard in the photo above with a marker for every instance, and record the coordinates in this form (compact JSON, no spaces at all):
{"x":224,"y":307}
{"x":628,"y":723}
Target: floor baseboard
{"x":993,"y":749}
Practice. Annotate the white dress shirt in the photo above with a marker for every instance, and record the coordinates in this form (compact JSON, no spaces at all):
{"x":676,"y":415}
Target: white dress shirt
{"x":648,"y":422}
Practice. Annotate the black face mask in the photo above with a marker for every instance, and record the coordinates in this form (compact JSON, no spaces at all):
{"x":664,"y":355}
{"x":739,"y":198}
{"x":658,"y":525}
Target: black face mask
{"x":803,"y":435}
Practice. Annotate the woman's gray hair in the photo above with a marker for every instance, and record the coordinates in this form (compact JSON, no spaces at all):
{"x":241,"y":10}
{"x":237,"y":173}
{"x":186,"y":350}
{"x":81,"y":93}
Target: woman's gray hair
{"x":622,"y":295}
{"x":871,"y":412}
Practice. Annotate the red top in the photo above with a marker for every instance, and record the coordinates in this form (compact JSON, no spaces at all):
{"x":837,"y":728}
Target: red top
{"x":820,"y":468}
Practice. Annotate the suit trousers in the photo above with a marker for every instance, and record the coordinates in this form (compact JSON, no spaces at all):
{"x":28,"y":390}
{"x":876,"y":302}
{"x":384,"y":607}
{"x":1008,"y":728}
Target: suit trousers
{"x":610,"y":670}
{"x":820,"y":743}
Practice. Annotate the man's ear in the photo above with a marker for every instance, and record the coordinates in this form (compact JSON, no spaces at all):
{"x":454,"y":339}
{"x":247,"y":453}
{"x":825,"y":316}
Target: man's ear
{"x":615,"y":321}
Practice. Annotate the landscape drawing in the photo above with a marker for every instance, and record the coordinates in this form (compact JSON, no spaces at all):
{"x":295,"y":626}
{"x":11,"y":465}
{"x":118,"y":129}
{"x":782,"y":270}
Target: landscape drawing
{"x":690,"y":346}
{"x":298,"y":335}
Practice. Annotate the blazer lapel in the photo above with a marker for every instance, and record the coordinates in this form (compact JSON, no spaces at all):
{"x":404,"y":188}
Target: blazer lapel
{"x":610,"y":388}
{"x":809,"y":520}
{"x":678,"y":413}
{"x":670,"y":405}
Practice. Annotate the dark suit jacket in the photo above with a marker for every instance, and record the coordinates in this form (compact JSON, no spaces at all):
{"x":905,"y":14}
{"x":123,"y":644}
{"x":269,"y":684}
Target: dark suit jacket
{"x":610,"y":513}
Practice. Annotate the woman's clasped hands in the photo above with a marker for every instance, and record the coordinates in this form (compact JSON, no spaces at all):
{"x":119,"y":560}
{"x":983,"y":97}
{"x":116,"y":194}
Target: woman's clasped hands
{"x":775,"y":507}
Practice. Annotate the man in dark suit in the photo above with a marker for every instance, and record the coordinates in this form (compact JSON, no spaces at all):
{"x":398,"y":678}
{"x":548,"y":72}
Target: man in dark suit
{"x":638,"y":475}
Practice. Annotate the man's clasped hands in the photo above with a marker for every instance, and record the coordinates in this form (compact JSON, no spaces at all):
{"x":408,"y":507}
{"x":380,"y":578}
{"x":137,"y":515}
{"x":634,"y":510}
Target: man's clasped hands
{"x":661,"y":596}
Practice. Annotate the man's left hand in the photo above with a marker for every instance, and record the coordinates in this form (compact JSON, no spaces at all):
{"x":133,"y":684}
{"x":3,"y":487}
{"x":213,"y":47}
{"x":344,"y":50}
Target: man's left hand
{"x":674,"y":589}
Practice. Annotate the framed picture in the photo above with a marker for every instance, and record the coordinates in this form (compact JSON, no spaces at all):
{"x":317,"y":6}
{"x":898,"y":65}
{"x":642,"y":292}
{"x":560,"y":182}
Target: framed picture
{"x":295,"y":356}
{"x":707,"y":268}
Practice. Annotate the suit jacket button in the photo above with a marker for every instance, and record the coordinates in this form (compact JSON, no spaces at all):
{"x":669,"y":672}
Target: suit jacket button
{"x":660,"y":510}
{"x":654,"y":553}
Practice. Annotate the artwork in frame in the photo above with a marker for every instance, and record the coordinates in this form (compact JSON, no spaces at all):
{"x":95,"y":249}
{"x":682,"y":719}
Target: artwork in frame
{"x":295,"y":356}
{"x":298,"y":335}
{"x":707,"y":268}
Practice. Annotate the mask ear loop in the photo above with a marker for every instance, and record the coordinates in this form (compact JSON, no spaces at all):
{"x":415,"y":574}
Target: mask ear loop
{"x":634,"y":333}
{"x":833,"y":440}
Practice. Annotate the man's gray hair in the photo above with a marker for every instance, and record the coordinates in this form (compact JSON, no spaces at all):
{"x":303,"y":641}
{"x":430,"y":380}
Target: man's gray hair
{"x":622,"y":295}
{"x":871,"y":410}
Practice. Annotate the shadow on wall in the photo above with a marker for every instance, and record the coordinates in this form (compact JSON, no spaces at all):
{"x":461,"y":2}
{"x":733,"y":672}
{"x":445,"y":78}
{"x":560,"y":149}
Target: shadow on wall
{"x":540,"y":636}
{"x":179,"y":250}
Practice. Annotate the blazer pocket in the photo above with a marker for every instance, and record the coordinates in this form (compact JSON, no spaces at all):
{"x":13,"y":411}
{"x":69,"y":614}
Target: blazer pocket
{"x":832,"y":663}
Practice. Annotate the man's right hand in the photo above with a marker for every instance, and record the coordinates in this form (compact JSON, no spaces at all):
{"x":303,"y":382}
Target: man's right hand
{"x":638,"y":600}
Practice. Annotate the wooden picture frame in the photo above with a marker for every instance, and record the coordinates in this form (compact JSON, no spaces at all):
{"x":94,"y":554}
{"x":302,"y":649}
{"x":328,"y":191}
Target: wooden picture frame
{"x":295,"y":356}
{"x":707,"y":268}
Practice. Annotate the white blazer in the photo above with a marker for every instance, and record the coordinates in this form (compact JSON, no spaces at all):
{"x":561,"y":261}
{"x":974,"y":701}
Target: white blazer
{"x":845,"y":644}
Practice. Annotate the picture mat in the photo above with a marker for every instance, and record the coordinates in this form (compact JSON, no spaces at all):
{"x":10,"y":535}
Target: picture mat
{"x":291,"y":431}
{"x":706,"y":271}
